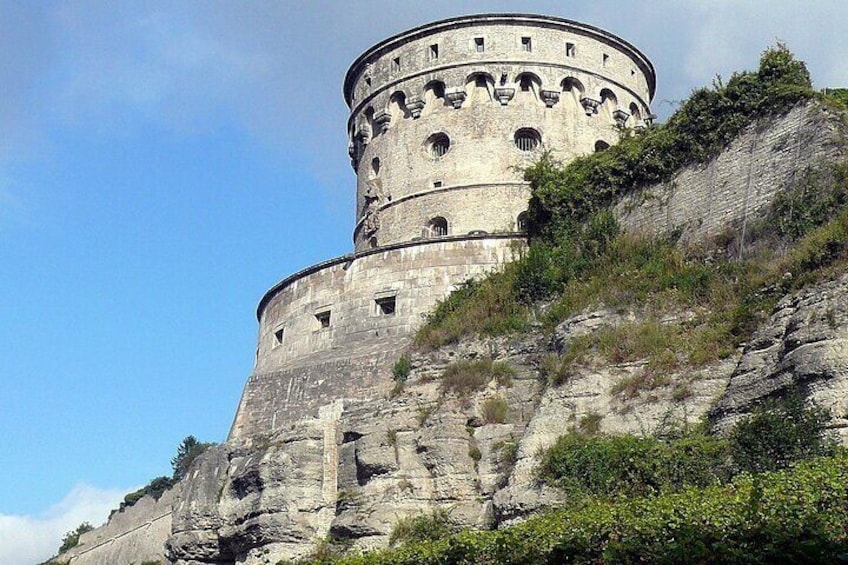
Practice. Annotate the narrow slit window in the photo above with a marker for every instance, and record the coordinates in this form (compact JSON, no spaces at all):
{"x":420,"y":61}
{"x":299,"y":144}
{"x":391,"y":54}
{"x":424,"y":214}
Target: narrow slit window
{"x":368,"y":81}
{"x":479,"y":44}
{"x":606,"y":59}
{"x":396,"y":64}
{"x":526,"y":44}
{"x":570,"y":50}
{"x":386,"y":306}
{"x":323,"y":319}
{"x":278,"y":336}
{"x":434,"y":51}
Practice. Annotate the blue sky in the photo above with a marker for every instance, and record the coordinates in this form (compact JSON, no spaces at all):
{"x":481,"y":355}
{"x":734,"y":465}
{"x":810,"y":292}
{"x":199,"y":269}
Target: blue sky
{"x":162,"y":164}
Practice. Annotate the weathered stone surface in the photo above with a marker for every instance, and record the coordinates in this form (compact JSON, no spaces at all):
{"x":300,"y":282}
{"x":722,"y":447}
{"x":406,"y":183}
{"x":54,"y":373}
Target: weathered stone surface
{"x":136,"y":534}
{"x":802,"y":346}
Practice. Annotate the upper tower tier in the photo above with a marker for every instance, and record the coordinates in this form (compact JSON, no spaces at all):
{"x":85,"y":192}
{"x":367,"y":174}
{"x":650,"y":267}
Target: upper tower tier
{"x":444,"y":117}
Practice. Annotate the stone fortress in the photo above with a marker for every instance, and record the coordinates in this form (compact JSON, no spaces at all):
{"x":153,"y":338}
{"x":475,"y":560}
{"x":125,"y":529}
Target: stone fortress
{"x":443,"y":118}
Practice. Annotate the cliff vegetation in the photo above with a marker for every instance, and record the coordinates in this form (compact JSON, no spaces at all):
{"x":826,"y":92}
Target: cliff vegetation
{"x":772,"y":488}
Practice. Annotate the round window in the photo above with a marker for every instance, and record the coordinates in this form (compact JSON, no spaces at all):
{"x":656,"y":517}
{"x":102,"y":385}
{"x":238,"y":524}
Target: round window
{"x":527,"y":139}
{"x":438,"y":144}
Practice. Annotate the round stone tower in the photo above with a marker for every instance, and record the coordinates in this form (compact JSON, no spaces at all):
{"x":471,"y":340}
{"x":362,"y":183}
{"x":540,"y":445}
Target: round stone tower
{"x":444,"y":117}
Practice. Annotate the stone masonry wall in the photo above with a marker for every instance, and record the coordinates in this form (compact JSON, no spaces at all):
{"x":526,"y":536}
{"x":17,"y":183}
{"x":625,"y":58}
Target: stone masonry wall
{"x":571,"y":84}
{"x":136,"y":534}
{"x":739,"y":184}
{"x":301,"y":365}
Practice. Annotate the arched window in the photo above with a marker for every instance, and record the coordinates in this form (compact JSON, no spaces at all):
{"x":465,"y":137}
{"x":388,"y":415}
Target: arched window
{"x":521,"y":222}
{"x":438,"y":144}
{"x":375,"y":165}
{"x":601,"y":145}
{"x":527,"y":139}
{"x":438,"y":226}
{"x":479,"y":87}
{"x":635,"y":115}
{"x":372,"y":243}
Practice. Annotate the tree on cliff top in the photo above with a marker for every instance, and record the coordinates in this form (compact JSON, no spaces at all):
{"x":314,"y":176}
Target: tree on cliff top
{"x":189,"y":450}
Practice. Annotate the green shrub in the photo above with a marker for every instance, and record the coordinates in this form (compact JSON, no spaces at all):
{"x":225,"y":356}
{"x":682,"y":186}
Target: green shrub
{"x":507,"y":455}
{"x":631,"y":466}
{"x":494,"y":410}
{"x":71,"y":539}
{"x":780,"y":432}
{"x":402,"y":368}
{"x":793,"y":516}
{"x":422,"y":527}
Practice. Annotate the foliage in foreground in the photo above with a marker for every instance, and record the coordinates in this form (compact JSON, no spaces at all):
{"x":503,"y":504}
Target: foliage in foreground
{"x":791,"y":516}
{"x":777,"y":434}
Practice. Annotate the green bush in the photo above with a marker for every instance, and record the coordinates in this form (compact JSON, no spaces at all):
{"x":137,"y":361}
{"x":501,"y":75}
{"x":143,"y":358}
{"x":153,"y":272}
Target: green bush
{"x":793,"y":516}
{"x":422,"y":527}
{"x":631,"y":466}
{"x":780,"y":432}
{"x":71,"y":539}
{"x":402,"y":368}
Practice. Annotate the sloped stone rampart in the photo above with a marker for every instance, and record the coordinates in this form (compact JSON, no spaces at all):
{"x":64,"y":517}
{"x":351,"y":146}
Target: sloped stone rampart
{"x":134,"y":535}
{"x":737,"y":186}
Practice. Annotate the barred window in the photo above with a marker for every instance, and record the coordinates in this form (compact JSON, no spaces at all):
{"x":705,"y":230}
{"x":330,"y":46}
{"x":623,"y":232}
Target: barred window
{"x":438,"y":226}
{"x":438,"y":144}
{"x":527,"y":139}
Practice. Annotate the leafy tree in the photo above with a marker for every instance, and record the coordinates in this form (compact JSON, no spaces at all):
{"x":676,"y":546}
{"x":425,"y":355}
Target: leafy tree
{"x":71,"y":539}
{"x":189,"y":450}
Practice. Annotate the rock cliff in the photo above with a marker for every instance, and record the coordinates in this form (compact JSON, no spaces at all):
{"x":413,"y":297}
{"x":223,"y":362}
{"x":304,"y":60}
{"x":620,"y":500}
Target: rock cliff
{"x":358,"y":467}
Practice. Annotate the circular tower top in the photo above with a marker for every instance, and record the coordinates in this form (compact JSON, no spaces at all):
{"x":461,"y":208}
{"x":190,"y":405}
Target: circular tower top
{"x":446,"y":115}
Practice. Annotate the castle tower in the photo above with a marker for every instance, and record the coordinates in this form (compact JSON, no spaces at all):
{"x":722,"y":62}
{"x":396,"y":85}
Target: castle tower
{"x":443,"y":118}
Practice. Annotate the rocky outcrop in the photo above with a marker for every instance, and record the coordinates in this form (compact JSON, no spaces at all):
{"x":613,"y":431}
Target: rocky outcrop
{"x":364,"y":462}
{"x":802,"y":346}
{"x":737,"y":187}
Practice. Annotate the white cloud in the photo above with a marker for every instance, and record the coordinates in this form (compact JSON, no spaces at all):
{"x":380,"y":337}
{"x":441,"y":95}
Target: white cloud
{"x":26,"y":540}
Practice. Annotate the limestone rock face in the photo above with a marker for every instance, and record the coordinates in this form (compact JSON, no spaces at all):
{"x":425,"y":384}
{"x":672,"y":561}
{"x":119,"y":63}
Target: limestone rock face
{"x":803,"y":346}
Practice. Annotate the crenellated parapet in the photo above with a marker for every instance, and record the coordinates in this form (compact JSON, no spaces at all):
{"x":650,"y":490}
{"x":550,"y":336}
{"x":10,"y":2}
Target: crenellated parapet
{"x":468,"y":102}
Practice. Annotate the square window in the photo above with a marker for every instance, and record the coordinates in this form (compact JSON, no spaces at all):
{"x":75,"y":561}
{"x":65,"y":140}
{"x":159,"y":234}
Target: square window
{"x":479,"y":44}
{"x":437,"y":184}
{"x":434,"y":51}
{"x":570,"y":50}
{"x":386,"y":306}
{"x":526,"y":44}
{"x":396,"y":64}
{"x":278,"y":336}
{"x":323,"y":318}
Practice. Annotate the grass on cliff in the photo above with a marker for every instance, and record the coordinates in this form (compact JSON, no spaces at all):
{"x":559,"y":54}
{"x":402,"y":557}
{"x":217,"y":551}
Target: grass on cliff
{"x":791,"y":516}
{"x":694,"y":305}
{"x":773,"y":491}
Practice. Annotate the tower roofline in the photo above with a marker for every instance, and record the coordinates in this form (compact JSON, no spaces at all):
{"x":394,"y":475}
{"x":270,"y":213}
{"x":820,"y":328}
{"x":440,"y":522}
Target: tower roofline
{"x":390,"y":43}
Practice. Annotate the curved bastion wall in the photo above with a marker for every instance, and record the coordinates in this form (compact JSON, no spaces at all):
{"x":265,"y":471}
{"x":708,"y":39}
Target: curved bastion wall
{"x":333,"y":330}
{"x":444,"y":117}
